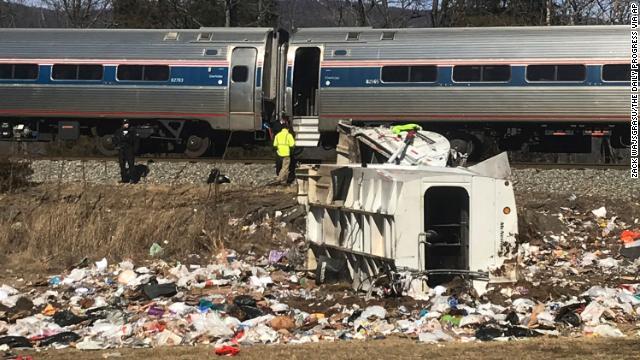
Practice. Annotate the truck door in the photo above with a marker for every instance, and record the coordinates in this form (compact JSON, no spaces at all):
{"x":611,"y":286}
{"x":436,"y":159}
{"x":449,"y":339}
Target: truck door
{"x":242,"y":88}
{"x":446,"y":223}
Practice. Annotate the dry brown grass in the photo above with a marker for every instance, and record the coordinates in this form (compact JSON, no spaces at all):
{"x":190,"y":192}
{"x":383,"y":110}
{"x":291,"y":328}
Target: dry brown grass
{"x":13,"y":174}
{"x":392,"y":348}
{"x":63,"y":224}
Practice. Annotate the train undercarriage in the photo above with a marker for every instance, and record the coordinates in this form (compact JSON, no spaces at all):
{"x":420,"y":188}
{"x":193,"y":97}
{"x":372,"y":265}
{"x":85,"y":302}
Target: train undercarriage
{"x":526,"y":142}
{"x":193,"y":139}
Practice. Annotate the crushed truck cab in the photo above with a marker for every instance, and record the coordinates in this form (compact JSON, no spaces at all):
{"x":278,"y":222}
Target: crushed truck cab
{"x":436,"y":221}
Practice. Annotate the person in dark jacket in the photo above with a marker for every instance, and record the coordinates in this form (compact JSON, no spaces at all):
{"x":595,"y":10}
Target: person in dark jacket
{"x":125,"y":140}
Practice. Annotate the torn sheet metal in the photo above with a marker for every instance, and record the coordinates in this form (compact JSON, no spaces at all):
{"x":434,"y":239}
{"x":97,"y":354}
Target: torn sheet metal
{"x":425,"y":147}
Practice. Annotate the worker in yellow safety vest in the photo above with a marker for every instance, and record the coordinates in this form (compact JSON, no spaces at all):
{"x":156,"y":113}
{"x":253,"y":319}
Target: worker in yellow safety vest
{"x":283,"y":143}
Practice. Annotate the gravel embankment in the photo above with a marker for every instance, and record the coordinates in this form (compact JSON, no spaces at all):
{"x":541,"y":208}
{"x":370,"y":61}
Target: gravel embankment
{"x":168,"y":172}
{"x":615,"y":183}
{"x":608,"y":183}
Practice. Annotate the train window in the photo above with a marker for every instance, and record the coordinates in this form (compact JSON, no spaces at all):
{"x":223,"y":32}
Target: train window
{"x":19,"y":71}
{"x":496,"y":73}
{"x":414,"y":74}
{"x":76,"y":72}
{"x":25,"y":71}
{"x":240,"y":74}
{"x":64,"y":72}
{"x":143,"y":72}
{"x":541,"y":72}
{"x":130,"y":72}
{"x":616,"y":72}
{"x":481,"y":73}
{"x":211,"y":52}
{"x":556,"y":73}
{"x":340,"y":52}
{"x":156,"y":73}
{"x":6,"y":71}
{"x":395,"y":74}
{"x":467,"y":73}
{"x":428,"y":73}
{"x":90,"y":72}
{"x":571,"y":73}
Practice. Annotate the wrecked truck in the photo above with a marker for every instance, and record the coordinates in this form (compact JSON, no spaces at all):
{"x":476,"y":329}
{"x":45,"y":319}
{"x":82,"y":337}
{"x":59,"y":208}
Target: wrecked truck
{"x":437,"y":222}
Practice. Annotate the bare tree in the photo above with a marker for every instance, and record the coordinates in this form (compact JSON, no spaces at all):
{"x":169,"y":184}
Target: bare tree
{"x":341,"y":11}
{"x":445,"y":10}
{"x":360,"y":12}
{"x":613,"y":11}
{"x":80,"y":13}
{"x":8,"y":13}
{"x":230,"y":12}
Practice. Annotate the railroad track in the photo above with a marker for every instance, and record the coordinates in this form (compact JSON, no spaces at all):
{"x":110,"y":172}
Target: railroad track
{"x":150,"y":158}
{"x":141,"y":159}
{"x":549,"y":166}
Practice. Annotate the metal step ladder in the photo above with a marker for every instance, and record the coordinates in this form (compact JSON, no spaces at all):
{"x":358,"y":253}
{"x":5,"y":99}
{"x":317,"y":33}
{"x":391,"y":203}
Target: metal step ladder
{"x":306,"y":130}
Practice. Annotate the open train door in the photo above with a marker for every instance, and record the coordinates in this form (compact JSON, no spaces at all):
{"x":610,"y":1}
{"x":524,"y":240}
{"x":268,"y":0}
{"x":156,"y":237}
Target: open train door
{"x":306,"y":84}
{"x":242,"y":89}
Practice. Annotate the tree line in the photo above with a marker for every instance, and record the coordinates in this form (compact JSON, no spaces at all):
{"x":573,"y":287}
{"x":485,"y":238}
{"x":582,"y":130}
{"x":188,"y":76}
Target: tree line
{"x":291,"y":14}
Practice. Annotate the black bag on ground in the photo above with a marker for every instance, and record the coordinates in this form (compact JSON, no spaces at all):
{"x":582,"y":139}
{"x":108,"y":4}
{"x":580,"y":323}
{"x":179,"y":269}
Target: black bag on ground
{"x":154,"y":290}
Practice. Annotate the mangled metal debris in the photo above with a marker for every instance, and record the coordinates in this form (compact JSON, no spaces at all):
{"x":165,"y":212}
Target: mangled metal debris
{"x":400,"y":145}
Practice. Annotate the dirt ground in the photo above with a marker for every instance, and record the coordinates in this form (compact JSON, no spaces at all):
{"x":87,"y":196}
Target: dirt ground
{"x":391,"y":348}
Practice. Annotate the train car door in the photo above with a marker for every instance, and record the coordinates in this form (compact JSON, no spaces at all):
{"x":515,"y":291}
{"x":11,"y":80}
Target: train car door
{"x":306,"y":76}
{"x":305,"y":98}
{"x":242,"y":88}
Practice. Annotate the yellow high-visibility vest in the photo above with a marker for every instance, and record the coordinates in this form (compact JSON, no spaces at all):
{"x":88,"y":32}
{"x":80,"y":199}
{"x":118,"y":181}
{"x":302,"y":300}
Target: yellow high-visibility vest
{"x":283,"y":142}
{"x":407,"y":127}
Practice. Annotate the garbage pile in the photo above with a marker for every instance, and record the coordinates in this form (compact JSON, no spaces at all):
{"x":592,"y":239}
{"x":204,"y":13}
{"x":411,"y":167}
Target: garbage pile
{"x":572,"y":284}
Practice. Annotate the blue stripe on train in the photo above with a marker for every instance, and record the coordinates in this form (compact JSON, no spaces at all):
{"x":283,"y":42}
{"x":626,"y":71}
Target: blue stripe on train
{"x":370,"y":77}
{"x":216,"y":76}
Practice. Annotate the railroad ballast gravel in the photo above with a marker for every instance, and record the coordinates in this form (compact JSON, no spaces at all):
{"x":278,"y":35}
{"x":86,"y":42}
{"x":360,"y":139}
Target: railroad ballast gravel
{"x":614,"y":183}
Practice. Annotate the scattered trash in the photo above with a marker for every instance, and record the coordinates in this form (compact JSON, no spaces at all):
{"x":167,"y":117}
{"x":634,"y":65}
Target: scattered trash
{"x":15,"y":342}
{"x":67,"y":318}
{"x":629,"y":236}
{"x":102,"y":265}
{"x":604,"y":330}
{"x":235,"y":300}
{"x":60,"y":338}
{"x":226,"y":350}
{"x":155,"y":250}
{"x":600,"y":212}
{"x":155,"y":290}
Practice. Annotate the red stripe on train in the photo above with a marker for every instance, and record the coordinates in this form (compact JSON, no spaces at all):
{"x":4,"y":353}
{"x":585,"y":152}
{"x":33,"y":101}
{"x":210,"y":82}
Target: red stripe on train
{"x":473,"y":116}
{"x":106,"y":113}
{"x":453,"y":62}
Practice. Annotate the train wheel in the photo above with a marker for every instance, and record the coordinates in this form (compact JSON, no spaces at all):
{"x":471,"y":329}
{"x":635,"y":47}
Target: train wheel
{"x":105,"y":145}
{"x":197,"y":146}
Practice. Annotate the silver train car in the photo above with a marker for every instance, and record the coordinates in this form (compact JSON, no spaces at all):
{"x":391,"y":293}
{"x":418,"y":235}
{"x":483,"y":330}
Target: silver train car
{"x":539,"y":88}
{"x":544,"y":88}
{"x":185,"y":87}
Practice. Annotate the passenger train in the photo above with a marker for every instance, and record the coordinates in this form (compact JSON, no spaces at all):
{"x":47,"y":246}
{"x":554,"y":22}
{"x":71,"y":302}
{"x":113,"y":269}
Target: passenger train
{"x":550,"y":89}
